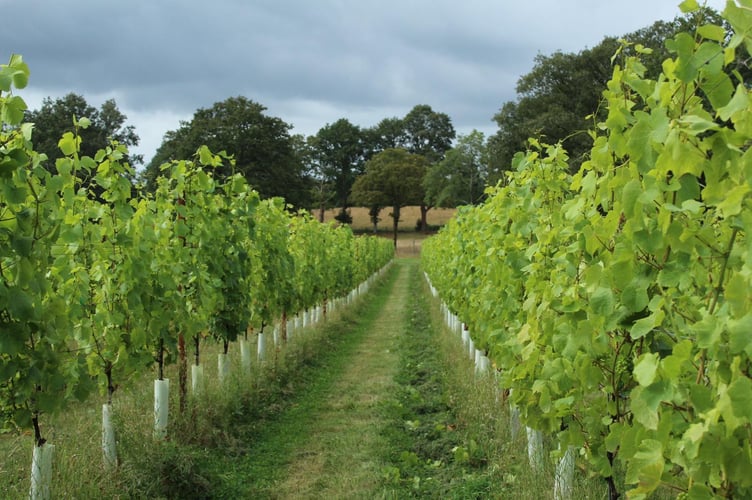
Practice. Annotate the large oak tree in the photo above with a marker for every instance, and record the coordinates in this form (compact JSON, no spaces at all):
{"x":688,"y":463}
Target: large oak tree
{"x":392,"y":178}
{"x":265,"y":153}
{"x":56,"y":117}
{"x":338,"y":153}
{"x":563,"y":89}
{"x":460,"y":178}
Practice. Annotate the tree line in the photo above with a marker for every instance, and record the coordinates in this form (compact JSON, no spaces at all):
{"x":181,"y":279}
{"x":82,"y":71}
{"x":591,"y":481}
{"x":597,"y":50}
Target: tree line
{"x":417,"y":159}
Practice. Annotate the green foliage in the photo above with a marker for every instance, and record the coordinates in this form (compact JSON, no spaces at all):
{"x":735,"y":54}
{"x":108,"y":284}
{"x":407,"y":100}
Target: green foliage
{"x":94,"y":282}
{"x":393,"y":178}
{"x":388,"y":133}
{"x":460,"y":178}
{"x":265,"y":153}
{"x":56,"y":117}
{"x":34,"y":323}
{"x":561,"y":97}
{"x":271,"y":236}
{"x":422,"y":131}
{"x":427,"y":132}
{"x":234,"y":261}
{"x":339,"y":150}
{"x":103,"y":289}
{"x":614,"y":300}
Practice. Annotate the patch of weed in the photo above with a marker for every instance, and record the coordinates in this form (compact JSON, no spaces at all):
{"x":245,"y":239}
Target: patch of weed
{"x":433,"y":454}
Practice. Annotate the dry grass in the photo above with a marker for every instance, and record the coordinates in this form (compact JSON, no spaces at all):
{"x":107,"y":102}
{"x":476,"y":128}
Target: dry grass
{"x":408,"y":244}
{"x":408,"y":217}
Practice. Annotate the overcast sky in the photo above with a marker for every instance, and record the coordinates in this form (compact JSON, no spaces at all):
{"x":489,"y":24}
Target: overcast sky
{"x":310,"y":62}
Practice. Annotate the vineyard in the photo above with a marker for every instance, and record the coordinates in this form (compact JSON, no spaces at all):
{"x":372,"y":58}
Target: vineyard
{"x":100,"y":284}
{"x":615,"y":302}
{"x":608,"y":309}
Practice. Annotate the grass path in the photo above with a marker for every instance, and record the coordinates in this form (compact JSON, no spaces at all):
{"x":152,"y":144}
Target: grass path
{"x":388,"y":407}
{"x":324,"y":439}
{"x":342,"y":455}
{"x":380,"y":401}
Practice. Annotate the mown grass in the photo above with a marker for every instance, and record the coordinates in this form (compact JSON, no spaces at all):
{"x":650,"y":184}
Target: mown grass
{"x":341,"y":457}
{"x":281,"y":425}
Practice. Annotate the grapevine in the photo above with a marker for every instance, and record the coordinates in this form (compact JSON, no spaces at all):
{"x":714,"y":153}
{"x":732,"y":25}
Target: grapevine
{"x":99,"y":283}
{"x":615,"y":302}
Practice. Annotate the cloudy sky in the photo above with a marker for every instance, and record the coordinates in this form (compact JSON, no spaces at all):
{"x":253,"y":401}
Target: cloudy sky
{"x":310,"y":62}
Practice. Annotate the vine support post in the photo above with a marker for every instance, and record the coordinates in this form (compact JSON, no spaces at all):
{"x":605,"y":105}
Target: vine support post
{"x":197,"y":379}
{"x":41,"y":464}
{"x":245,"y":356}
{"x":197,"y":371}
{"x":261,"y":349}
{"x":161,"y":397}
{"x":223,"y":367}
{"x":109,"y":443}
{"x":514,"y":418}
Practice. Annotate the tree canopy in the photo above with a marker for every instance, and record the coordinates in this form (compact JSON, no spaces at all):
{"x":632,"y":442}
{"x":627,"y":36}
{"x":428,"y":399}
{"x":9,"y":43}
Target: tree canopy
{"x":338,"y":154}
{"x":427,"y":132}
{"x":265,"y":153}
{"x":460,"y":178}
{"x":392,"y":178}
{"x":423,"y":132}
{"x":55,"y":117}
{"x":563,"y":89}
{"x":338,"y":151}
{"x":388,"y":133}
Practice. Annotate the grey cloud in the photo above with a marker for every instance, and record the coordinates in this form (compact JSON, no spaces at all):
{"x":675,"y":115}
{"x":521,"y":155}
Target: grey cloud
{"x":309,"y":61}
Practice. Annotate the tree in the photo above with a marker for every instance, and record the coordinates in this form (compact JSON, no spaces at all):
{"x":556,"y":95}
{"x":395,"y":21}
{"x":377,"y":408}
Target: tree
{"x":373,"y":214}
{"x":338,"y":153}
{"x":392,"y":178}
{"x":55,"y":117}
{"x":265,"y":153}
{"x":563,"y":89}
{"x":322,"y":187}
{"x":430,"y":134}
{"x":427,"y":132}
{"x":388,"y":133}
{"x":460,"y":178}
{"x":555,"y":99}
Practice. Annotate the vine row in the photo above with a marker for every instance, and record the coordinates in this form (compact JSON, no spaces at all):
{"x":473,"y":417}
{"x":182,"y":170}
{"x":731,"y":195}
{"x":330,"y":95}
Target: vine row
{"x":615,"y":302}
